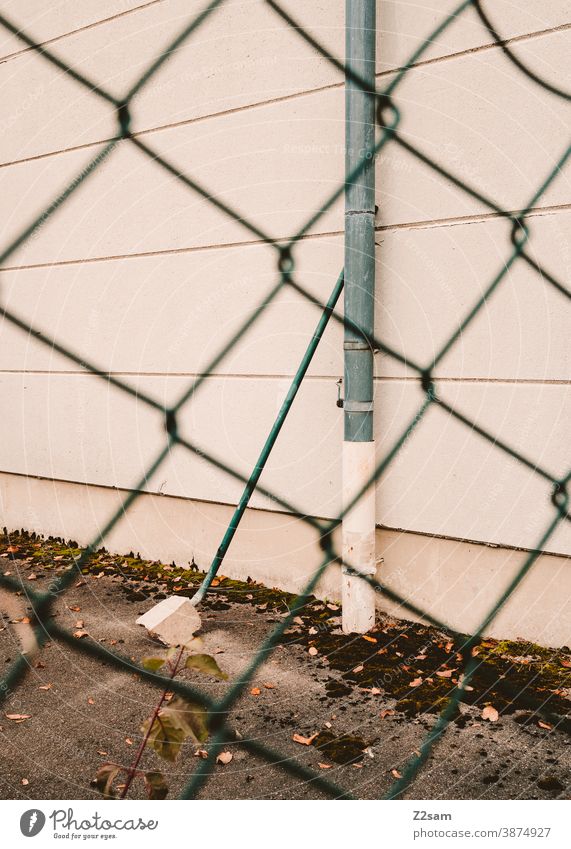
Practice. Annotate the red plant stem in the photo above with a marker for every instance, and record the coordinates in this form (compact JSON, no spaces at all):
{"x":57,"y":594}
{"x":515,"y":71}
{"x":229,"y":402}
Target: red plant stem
{"x":133,"y":768}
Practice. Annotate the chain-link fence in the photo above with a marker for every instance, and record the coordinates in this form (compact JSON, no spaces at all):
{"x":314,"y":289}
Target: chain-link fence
{"x":388,"y":120}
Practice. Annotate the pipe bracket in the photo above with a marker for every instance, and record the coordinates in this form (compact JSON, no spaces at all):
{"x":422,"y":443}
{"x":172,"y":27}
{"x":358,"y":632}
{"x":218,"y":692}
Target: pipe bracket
{"x":358,"y":406}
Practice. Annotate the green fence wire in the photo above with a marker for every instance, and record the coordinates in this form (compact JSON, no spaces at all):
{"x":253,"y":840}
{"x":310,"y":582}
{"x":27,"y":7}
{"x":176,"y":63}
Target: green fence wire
{"x":388,"y":119}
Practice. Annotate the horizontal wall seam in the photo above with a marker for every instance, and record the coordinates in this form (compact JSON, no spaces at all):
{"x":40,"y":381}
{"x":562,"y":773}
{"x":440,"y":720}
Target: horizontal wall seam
{"x":491,"y":45}
{"x":125,"y":490}
{"x":466,"y":541}
{"x":524,"y":381}
{"x":270,"y":101}
{"x":534,"y":212}
{"x":14,"y":55}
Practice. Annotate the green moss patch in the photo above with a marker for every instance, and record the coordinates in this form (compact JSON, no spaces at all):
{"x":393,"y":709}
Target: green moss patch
{"x":343,"y":749}
{"x":415,"y":665}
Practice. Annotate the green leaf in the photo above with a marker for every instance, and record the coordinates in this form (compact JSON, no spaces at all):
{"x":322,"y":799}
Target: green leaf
{"x":104,"y":778}
{"x":175,"y":724}
{"x":165,"y":737}
{"x":156,"y":785}
{"x":153,"y":663}
{"x":190,"y":717}
{"x":205,"y":663}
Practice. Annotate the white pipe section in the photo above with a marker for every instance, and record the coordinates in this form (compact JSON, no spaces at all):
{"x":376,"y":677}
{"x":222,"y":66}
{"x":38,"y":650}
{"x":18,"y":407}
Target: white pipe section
{"x":358,"y":538}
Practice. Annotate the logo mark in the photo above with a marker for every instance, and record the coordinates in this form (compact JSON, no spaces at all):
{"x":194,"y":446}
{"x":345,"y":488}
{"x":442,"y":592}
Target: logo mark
{"x":32,"y":822}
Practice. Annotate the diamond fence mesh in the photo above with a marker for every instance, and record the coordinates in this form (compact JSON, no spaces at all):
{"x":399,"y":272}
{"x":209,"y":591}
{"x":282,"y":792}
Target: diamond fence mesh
{"x":388,"y":120}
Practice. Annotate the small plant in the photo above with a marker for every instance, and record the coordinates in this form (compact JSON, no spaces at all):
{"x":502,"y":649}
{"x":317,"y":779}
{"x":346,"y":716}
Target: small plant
{"x":173,"y":721}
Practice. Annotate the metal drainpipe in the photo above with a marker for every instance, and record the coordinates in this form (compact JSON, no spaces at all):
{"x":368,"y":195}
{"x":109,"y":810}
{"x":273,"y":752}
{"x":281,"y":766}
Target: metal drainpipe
{"x":358,"y":530}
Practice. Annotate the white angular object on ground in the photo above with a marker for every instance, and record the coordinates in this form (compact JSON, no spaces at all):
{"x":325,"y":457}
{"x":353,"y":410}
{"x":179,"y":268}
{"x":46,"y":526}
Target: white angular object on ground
{"x":174,"y":621}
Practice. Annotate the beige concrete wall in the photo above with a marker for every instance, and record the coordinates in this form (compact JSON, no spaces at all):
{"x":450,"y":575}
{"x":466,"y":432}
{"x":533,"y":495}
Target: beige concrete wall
{"x":147,"y":279}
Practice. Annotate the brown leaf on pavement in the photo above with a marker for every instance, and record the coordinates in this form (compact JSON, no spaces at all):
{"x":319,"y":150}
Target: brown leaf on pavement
{"x":304,"y":741}
{"x":490,"y":713}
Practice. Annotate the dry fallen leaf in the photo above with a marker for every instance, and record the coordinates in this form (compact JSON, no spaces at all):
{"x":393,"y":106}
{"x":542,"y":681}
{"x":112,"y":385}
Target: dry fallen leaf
{"x":313,"y":630}
{"x":546,"y":725}
{"x":102,"y":753}
{"x":446,"y":673}
{"x":45,"y":687}
{"x":224,"y":758}
{"x":128,"y":741}
{"x":325,"y":766}
{"x":395,"y":773}
{"x":255,"y":691}
{"x":201,"y":753}
{"x":18,"y":717}
{"x":25,"y":782}
{"x":304,"y":741}
{"x":75,"y":608}
{"x":269,"y":686}
{"x":91,"y":701}
{"x":416,"y":683}
{"x":566,"y":664}
{"x":369,"y":639}
{"x":358,"y":668}
{"x":490,"y":713}
{"x":80,"y":633}
{"x":313,"y":651}
{"x":387,"y":712}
